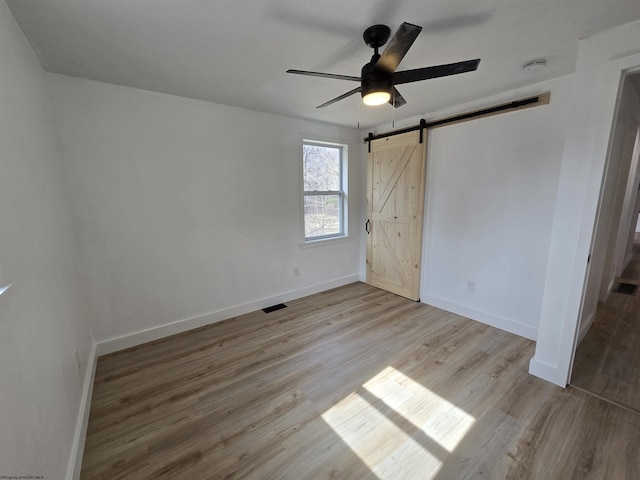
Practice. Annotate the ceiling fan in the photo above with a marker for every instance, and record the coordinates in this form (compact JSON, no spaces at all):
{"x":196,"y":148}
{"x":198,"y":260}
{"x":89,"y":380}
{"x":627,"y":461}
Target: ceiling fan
{"x":379,"y":77}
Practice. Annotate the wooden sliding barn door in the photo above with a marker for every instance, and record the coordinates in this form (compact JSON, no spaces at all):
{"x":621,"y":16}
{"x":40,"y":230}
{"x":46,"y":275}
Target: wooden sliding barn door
{"x":395,"y":204}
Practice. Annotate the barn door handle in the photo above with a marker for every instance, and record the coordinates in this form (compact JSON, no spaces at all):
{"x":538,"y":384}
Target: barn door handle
{"x":366,"y":226}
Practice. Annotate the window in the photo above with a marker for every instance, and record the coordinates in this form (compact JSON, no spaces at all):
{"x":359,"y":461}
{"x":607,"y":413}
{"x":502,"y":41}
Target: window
{"x":324,"y":190}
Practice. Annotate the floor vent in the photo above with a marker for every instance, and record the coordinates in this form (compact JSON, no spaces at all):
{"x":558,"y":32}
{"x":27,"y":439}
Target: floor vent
{"x":626,"y":289}
{"x":273,"y":308}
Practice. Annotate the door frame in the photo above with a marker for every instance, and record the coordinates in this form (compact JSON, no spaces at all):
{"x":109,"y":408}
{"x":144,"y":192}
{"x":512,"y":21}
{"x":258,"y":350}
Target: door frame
{"x":568,"y":266}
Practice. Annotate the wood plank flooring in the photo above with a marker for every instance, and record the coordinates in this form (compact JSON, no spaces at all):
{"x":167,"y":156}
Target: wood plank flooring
{"x":353,"y":383}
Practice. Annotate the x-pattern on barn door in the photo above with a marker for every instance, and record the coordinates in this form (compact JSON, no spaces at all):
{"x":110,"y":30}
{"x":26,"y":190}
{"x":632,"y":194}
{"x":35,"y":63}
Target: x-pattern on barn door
{"x":395,"y":204}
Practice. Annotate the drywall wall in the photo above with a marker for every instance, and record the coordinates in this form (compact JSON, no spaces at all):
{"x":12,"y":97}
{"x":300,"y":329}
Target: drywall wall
{"x":42,"y":315}
{"x":190,"y":212}
{"x":594,"y":90}
{"x":491,"y":192}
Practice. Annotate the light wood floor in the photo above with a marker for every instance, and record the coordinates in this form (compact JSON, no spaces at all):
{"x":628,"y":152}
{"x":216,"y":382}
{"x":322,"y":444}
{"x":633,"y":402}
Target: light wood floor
{"x":607,"y":361}
{"x":353,"y":383}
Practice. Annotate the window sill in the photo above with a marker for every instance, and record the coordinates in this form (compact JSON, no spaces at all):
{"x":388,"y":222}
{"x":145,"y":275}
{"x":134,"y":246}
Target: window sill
{"x":325,"y":241}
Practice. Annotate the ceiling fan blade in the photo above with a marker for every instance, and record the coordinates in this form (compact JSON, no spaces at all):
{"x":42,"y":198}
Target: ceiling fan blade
{"x":325,"y":75}
{"x":341,"y":97}
{"x":397,"y":100}
{"x":398,"y":47}
{"x":408,"y":76}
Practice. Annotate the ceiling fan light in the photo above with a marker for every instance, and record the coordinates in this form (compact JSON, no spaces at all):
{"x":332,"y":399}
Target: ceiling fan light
{"x":376,"y":98}
{"x":376,"y":88}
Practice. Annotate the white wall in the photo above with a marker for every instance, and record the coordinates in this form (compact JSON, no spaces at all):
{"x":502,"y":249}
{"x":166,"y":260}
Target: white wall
{"x":42,"y":315}
{"x":491,"y":192}
{"x":594,"y":90}
{"x":189,"y":210}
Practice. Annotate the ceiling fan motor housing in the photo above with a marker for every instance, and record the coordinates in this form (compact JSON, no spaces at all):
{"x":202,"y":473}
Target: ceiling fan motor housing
{"x":375,"y":80}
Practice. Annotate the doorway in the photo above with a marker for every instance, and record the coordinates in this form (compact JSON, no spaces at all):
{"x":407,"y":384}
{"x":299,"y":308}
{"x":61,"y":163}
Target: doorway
{"x":607,"y":359}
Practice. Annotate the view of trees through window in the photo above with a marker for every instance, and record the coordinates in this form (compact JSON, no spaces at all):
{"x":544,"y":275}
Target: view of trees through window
{"x":323,"y":196}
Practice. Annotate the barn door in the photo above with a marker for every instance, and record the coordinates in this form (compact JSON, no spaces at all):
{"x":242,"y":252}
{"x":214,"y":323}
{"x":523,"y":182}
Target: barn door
{"x":395,"y":200}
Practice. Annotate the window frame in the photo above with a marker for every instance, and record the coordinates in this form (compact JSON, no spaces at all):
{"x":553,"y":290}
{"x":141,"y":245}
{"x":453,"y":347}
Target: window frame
{"x":342,"y":193}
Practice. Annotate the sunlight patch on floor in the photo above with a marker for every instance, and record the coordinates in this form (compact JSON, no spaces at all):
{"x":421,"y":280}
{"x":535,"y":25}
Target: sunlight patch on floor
{"x":399,"y":428}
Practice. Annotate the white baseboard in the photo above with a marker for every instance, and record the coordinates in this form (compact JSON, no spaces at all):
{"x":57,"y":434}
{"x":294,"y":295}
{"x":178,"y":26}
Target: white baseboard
{"x":604,"y":296}
{"x":75,"y":461}
{"x":547,"y":372}
{"x":585,"y":325}
{"x":627,"y":261}
{"x":502,"y":323}
{"x":143,"y":336}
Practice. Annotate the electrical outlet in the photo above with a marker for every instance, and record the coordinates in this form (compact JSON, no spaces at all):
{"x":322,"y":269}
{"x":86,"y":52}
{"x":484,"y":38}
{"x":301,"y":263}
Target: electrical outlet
{"x":471,"y":286}
{"x":296,"y":271}
{"x":77,"y":357}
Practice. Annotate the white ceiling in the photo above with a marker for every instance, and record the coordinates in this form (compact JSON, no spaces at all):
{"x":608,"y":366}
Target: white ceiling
{"x":235,"y":52}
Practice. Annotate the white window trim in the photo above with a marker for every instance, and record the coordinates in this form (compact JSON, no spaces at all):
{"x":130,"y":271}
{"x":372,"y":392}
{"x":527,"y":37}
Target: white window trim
{"x":344,"y":235}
